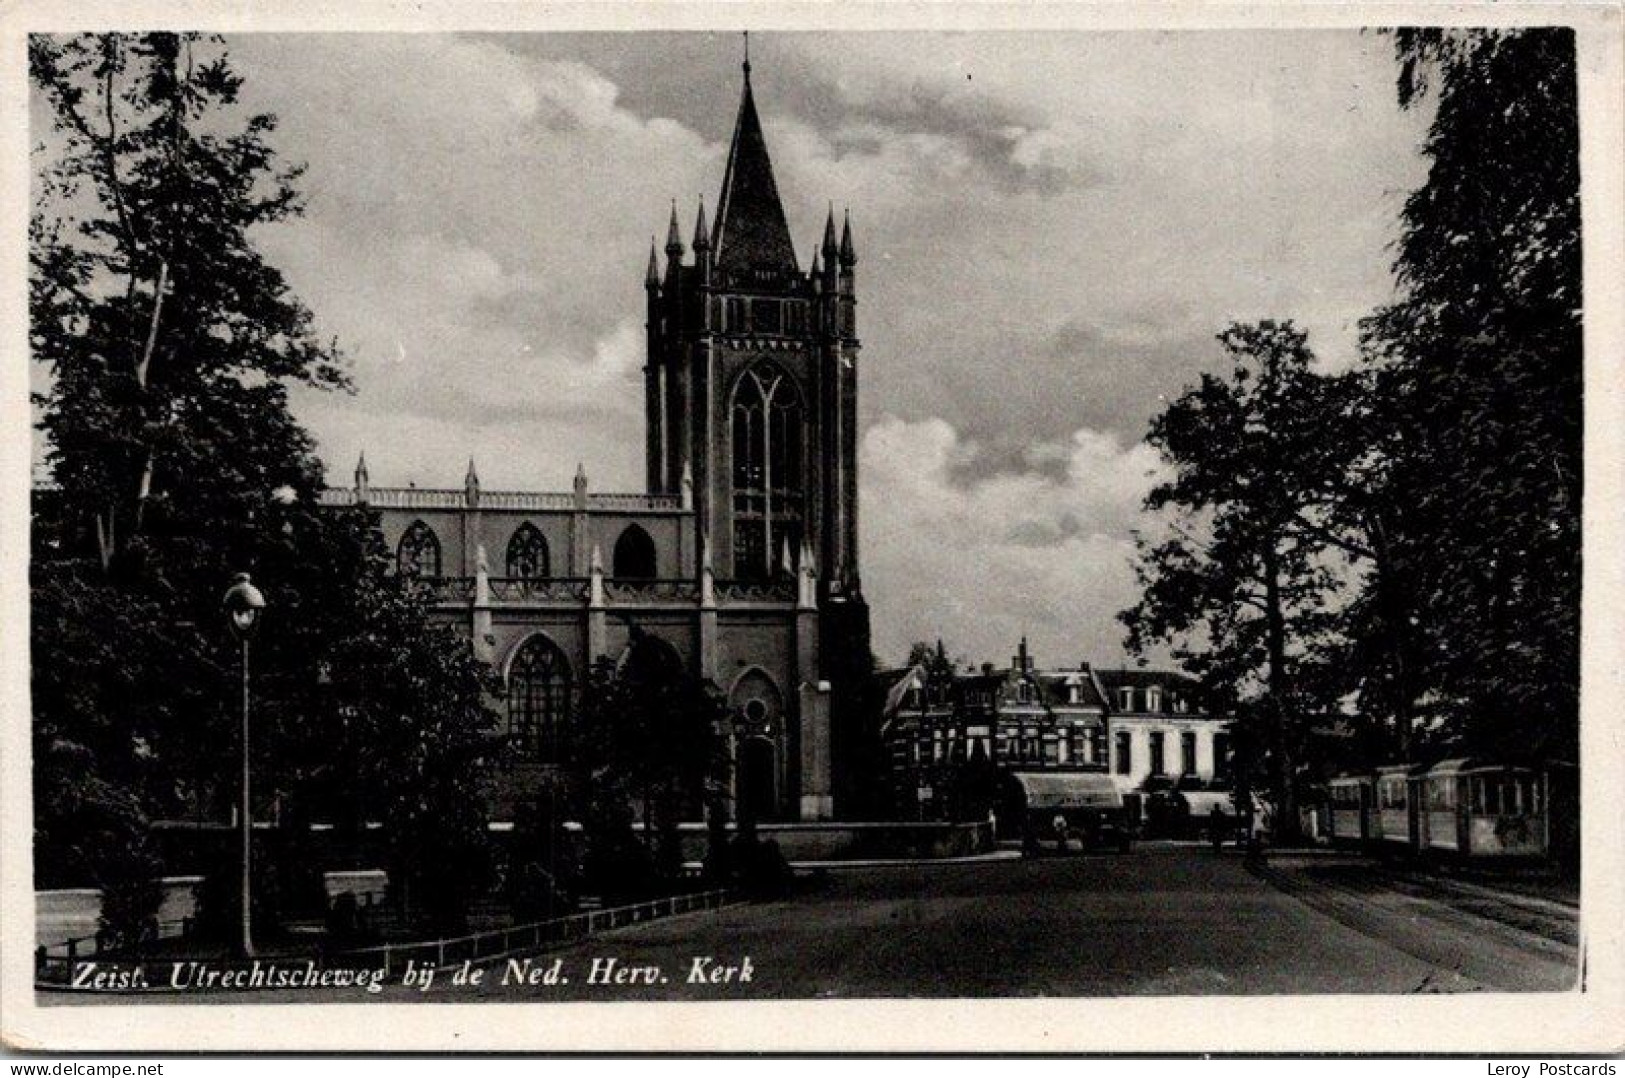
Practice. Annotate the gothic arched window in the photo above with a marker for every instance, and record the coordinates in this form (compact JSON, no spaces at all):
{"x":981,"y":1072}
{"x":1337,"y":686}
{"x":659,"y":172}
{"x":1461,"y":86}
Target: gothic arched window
{"x":634,"y":555}
{"x":767,"y":470}
{"x":538,"y":697}
{"x":419,"y":552}
{"x":527,"y":553}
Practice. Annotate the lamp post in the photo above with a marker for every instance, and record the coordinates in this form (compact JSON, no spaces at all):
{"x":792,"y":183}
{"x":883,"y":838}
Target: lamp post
{"x":243,"y":604}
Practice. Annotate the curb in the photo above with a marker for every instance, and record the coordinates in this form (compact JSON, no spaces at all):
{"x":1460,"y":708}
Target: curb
{"x":903,"y":862}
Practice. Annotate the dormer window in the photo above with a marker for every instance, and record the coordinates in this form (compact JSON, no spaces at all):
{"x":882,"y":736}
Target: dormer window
{"x":1125,"y":699}
{"x":1153,"y":699}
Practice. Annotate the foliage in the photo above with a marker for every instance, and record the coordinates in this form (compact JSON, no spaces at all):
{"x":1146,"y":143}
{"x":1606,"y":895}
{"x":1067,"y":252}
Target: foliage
{"x":1245,"y":586}
{"x":170,"y":346}
{"x":170,"y":342}
{"x":403,"y":698}
{"x":1480,"y":372}
{"x":648,"y":733}
{"x":1406,"y":535}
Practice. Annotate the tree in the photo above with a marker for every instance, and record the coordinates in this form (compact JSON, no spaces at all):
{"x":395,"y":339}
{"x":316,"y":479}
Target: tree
{"x":648,"y":734}
{"x":405,"y":700}
{"x":170,"y":341}
{"x":171,"y":346}
{"x":1243,"y":587}
{"x":1479,"y":366}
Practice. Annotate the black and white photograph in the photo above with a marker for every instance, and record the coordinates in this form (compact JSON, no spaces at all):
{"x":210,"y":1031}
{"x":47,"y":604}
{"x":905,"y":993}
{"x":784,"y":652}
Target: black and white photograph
{"x":680,"y":505}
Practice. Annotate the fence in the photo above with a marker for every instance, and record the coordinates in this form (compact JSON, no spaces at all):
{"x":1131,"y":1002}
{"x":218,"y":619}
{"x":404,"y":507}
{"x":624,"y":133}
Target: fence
{"x":502,"y":942}
{"x":496,"y":944}
{"x":57,"y":968}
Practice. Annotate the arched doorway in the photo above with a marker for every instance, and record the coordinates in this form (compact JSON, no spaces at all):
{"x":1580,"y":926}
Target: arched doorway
{"x":756,"y":783}
{"x":757,"y":714}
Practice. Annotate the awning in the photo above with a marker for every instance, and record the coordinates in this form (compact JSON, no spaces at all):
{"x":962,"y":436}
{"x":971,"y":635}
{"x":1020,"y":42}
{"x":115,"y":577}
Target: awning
{"x":1062,"y":790}
{"x":1201,"y":802}
{"x":1450,"y":767}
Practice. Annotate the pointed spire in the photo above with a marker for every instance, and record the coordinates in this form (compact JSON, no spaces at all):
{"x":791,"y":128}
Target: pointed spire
{"x":831,"y":252}
{"x":674,"y":238}
{"x":581,"y":486}
{"x":785,"y":564}
{"x":471,"y":478}
{"x":849,"y":257}
{"x":651,"y":279}
{"x":361,"y":471}
{"x":751,"y":232}
{"x":702,"y":231}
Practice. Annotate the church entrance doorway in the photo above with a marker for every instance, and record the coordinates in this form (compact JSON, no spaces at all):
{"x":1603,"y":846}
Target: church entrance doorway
{"x":757,"y":781}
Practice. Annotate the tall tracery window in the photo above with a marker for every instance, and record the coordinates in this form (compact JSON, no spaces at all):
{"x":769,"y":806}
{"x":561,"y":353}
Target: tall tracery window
{"x":419,"y":552}
{"x":527,"y":553}
{"x":538,"y":698}
{"x":767,"y":470}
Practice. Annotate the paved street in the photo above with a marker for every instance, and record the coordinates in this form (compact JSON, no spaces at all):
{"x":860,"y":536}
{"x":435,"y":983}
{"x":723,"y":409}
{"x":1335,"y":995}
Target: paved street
{"x":1160,"y":920}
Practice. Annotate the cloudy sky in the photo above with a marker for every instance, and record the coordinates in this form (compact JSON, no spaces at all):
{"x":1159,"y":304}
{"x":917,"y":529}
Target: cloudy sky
{"x":1051,"y":228}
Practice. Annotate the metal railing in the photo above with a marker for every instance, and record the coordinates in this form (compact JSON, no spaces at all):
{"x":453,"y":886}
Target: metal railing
{"x":55,"y":970}
{"x":500,"y":943}
{"x":57,"y":967}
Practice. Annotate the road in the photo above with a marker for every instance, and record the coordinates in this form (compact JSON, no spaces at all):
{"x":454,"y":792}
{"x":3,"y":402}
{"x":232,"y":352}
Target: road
{"x":1159,"y":920}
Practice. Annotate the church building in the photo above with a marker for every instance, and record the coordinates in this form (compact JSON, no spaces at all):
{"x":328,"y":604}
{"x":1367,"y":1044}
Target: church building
{"x":741,"y":555}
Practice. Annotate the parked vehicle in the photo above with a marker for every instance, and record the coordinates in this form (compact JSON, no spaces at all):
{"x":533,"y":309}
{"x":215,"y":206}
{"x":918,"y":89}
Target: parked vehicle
{"x":1063,"y":806}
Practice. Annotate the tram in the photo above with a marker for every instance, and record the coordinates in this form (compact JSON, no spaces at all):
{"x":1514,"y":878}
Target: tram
{"x":1460,"y":807}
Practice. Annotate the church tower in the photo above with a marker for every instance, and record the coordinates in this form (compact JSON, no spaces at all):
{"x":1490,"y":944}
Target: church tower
{"x":751,"y":382}
{"x":751,"y":391}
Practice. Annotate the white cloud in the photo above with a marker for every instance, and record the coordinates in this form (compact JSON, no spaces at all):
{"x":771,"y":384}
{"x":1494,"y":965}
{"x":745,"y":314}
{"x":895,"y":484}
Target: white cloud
{"x":984,"y":562}
{"x":1050,"y":227}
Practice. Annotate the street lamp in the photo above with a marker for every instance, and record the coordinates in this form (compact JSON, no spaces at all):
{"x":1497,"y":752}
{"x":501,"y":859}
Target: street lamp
{"x":243,"y":605}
